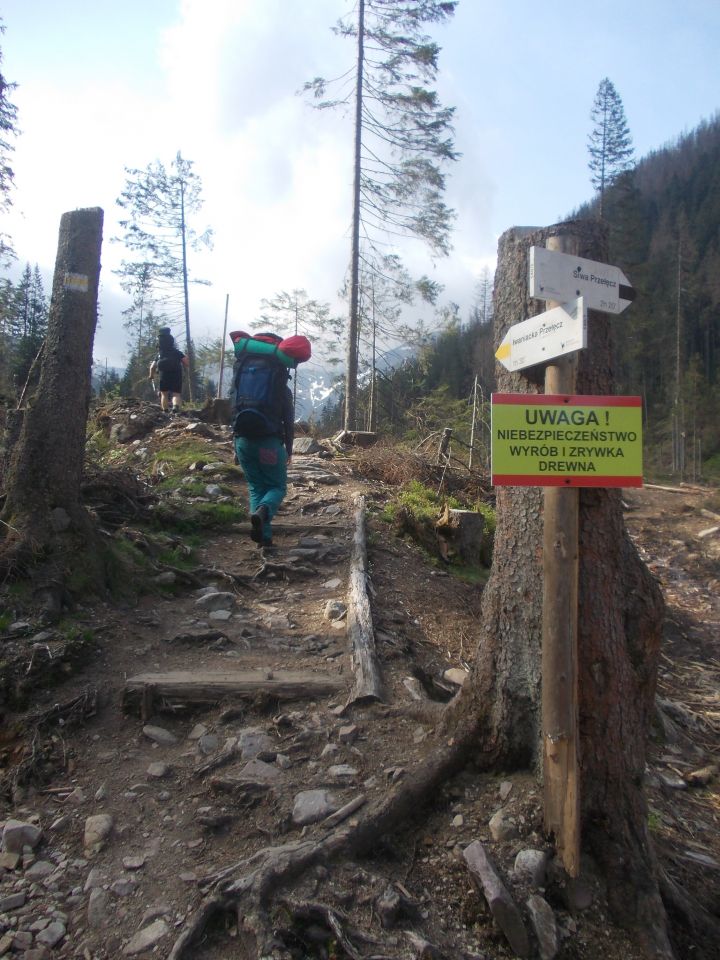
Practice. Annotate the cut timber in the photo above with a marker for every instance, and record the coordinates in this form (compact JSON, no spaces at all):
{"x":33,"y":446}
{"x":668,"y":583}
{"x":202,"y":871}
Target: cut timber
{"x":213,"y":686}
{"x":358,"y":438}
{"x":466,"y":530}
{"x":368,"y":680}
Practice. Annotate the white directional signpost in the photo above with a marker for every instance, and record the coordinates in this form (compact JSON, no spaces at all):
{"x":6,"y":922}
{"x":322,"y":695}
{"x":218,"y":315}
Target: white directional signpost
{"x":562,"y":277}
{"x":572,"y":285}
{"x":544,"y":337}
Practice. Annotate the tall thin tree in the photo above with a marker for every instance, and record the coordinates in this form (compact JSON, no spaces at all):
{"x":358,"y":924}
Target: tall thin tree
{"x":609,"y":143}
{"x":159,"y":205}
{"x":402,"y":140}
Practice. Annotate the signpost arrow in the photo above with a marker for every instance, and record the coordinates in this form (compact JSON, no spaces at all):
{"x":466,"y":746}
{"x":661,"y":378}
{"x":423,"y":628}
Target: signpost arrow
{"x":544,"y":337}
{"x":560,"y":276}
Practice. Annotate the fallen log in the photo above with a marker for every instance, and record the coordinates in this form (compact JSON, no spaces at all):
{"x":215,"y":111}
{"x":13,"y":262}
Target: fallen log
{"x":368,"y":679}
{"x":210,"y":687}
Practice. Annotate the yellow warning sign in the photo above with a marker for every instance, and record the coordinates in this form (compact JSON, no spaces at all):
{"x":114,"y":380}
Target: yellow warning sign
{"x":557,"y":440}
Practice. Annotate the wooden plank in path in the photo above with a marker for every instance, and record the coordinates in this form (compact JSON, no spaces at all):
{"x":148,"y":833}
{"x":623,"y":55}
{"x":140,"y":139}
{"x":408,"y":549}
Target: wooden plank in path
{"x":208,"y":686}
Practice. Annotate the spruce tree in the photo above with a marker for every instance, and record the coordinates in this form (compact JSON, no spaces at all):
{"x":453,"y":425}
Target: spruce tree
{"x":402,"y":141}
{"x":609,"y":143}
{"x":8,"y":130}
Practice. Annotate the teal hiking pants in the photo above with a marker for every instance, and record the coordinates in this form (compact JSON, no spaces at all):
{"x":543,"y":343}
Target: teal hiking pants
{"x":264,"y":463}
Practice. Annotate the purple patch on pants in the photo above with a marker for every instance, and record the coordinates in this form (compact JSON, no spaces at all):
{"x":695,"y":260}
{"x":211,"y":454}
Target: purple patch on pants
{"x":268,"y":456}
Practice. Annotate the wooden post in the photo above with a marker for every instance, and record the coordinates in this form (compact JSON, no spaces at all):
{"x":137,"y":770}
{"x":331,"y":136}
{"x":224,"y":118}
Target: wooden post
{"x":222,"y":348}
{"x":442,"y":454}
{"x":472,"y":425}
{"x":559,"y":634}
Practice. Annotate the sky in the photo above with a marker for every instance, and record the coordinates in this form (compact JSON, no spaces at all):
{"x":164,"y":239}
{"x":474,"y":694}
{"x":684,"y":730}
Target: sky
{"x":103,"y":86}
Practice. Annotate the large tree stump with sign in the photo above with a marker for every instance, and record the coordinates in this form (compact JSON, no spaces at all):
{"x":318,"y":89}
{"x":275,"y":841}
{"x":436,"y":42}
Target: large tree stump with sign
{"x":44,"y":525}
{"x":618,"y":634}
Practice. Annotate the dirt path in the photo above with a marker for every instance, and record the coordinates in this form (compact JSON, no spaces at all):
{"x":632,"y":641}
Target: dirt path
{"x":218,"y":783}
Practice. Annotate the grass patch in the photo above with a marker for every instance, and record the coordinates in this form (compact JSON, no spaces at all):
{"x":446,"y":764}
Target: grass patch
{"x":178,"y":458}
{"x":192,"y":518}
{"x":415,"y":512}
{"x":423,"y":504}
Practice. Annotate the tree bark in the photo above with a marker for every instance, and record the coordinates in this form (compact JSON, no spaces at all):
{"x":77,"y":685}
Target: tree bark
{"x":43,"y":508}
{"x":620,"y":616}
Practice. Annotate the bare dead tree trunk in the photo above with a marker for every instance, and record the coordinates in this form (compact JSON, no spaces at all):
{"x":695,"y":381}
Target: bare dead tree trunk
{"x":42,"y":508}
{"x":619,"y":629}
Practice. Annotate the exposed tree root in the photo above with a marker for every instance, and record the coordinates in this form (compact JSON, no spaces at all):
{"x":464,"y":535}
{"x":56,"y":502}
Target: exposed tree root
{"x":248,"y":886}
{"x":689,"y":915}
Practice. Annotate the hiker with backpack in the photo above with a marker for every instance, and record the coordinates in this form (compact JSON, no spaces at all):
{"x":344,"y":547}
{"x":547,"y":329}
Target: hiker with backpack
{"x":263,"y":423}
{"x":169,"y":364}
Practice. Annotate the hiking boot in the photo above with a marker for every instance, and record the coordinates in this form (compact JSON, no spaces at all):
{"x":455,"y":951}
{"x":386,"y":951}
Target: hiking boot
{"x":268,"y":550}
{"x":258,"y":519}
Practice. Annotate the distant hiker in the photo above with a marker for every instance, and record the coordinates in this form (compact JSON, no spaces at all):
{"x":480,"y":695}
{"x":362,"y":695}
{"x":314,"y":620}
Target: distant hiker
{"x":169,"y":364}
{"x":263,"y":424}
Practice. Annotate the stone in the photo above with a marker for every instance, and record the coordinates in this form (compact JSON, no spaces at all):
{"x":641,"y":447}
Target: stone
{"x":39,"y":870}
{"x":505,"y":790}
{"x":216,"y":601}
{"x":313,"y":805}
{"x":348,"y":733}
{"x":220,"y":616}
{"x":155,"y":911}
{"x":501,"y":828}
{"x":458,"y":820}
{"x":123,"y":887}
{"x":158,"y":770}
{"x":672,"y":781}
{"x":334,"y":610}
{"x":18,"y":834}
{"x":97,"y":829}
{"x":159,"y":735}
{"x":199,"y":730}
{"x":95,"y":879}
{"x":253,"y":741}
{"x":332,"y":584}
{"x":97,"y":912}
{"x":532,"y":864}
{"x":544,"y":925}
{"x":259,"y":770}
{"x":456,"y":676}
{"x":342,"y":771}
{"x":305,"y":445}
{"x":146,"y":938}
{"x":12,"y":901}
{"x":133,"y":863}
{"x":9,"y":861}
{"x":52,"y":934}
{"x":208,"y":744}
{"x":165,"y":579}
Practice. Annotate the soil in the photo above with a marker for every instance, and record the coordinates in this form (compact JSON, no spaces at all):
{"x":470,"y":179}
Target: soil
{"x":172,"y":832}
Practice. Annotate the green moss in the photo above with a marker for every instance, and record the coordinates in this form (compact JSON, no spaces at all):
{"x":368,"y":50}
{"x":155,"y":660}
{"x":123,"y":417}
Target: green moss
{"x":191,"y":518}
{"x":178,"y":458}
